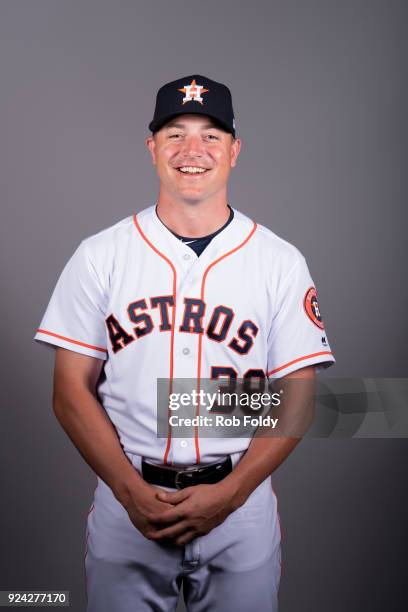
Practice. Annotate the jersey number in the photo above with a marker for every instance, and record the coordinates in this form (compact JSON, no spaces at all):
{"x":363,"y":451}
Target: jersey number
{"x":253,"y":381}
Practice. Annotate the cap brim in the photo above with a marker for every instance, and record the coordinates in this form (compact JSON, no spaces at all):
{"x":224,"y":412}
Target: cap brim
{"x":156,"y":125}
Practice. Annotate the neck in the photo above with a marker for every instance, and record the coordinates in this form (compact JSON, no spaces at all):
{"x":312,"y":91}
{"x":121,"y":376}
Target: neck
{"x":193,"y":219}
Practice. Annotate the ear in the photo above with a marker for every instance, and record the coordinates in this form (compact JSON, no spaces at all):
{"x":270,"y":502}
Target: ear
{"x":235,"y":149}
{"x":151,"y":145}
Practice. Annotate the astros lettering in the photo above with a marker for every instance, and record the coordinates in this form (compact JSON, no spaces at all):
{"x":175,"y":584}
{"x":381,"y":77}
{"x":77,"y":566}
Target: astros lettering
{"x":217,"y":328}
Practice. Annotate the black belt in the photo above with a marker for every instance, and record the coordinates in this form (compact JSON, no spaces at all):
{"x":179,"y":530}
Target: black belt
{"x":185,"y":476}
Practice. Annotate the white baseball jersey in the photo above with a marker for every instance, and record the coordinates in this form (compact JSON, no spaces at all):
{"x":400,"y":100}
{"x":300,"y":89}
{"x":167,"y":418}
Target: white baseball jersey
{"x":137,"y":297}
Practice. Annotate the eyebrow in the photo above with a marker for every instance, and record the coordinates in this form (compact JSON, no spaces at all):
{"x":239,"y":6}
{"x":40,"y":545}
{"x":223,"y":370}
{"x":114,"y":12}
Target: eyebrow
{"x":177,"y":124}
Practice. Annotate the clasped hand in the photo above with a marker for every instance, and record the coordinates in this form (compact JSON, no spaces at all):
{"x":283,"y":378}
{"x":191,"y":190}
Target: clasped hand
{"x":182,"y":515}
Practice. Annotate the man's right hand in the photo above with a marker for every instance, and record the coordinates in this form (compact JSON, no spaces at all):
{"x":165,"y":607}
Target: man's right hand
{"x":146,"y":511}
{"x":77,"y":408}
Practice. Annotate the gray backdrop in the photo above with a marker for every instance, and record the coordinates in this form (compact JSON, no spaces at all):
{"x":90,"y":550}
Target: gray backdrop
{"x":320,"y":97}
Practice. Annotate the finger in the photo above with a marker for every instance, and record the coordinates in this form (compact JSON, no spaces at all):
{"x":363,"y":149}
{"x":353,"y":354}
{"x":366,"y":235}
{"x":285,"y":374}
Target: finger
{"x":173,"y":531}
{"x":173,"y":515}
{"x":174,"y":497}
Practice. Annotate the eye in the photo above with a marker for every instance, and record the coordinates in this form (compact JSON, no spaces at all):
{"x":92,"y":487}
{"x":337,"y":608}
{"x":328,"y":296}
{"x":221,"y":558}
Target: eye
{"x":212,"y":137}
{"x":175,"y":136}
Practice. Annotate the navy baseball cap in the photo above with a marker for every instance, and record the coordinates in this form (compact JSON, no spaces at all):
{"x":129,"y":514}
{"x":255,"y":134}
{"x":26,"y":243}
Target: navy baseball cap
{"x":194,"y":94}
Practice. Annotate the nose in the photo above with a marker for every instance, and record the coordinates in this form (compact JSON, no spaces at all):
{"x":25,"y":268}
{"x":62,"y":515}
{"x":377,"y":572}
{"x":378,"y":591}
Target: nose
{"x":192,"y":146}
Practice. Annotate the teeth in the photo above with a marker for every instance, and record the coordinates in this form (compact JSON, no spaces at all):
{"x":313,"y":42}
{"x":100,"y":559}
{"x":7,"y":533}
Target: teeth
{"x":192,"y":169}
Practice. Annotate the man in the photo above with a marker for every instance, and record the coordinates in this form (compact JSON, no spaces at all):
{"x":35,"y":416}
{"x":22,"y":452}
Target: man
{"x":187,"y":289}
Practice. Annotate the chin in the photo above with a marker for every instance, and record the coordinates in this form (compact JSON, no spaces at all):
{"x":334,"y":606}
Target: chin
{"x":192,"y":196}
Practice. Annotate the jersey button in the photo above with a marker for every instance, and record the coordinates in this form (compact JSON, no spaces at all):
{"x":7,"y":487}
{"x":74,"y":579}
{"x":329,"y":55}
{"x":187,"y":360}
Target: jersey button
{"x":186,"y":256}
{"x":183,"y":443}
{"x":186,"y":351}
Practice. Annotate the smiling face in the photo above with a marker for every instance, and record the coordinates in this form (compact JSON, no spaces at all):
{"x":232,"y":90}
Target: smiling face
{"x":193,"y":158}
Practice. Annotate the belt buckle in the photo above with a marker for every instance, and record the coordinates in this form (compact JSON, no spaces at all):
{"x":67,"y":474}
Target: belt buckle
{"x":177,"y":481}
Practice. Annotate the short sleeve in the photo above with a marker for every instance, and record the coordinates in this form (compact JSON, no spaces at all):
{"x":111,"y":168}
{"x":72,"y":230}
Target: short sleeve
{"x":297,"y":336}
{"x":75,"y":316}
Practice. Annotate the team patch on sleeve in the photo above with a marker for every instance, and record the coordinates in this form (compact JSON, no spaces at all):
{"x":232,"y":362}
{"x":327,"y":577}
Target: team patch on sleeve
{"x":312,"y":307}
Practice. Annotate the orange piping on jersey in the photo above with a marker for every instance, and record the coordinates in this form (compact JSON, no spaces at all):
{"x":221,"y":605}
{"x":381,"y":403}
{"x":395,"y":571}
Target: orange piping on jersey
{"x":173,"y":324}
{"x":200,"y":338}
{"x":96,"y":348}
{"x":297,"y":361}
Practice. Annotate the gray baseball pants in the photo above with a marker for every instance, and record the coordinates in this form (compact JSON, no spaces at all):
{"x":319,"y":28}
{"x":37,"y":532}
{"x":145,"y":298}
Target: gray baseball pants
{"x":234,"y":568}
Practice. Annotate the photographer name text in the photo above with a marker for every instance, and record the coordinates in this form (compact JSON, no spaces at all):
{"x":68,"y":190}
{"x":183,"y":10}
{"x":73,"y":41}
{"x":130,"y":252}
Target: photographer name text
{"x":220,"y":420}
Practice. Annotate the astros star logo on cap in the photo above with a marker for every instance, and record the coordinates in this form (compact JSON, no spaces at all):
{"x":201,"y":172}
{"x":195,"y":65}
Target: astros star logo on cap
{"x":193,"y":92}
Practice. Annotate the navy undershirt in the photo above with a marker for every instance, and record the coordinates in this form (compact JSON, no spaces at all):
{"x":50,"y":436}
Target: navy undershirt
{"x":199,"y":244}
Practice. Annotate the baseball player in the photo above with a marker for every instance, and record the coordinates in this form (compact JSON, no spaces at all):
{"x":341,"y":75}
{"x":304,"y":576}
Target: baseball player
{"x":188,"y":288}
